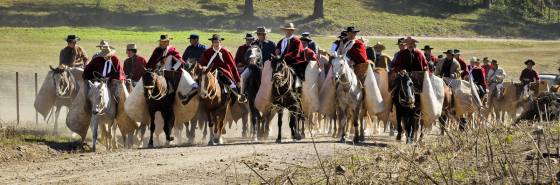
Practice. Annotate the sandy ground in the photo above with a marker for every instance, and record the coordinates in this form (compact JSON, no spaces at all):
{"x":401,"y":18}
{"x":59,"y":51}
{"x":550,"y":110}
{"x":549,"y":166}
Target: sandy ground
{"x":198,"y":164}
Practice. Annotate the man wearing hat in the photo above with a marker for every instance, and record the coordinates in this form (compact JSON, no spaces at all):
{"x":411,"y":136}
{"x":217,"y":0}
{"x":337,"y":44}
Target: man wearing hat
{"x":267,"y":46}
{"x":410,"y":59}
{"x":308,"y":53}
{"x":479,"y":76}
{"x":486,"y":65}
{"x":464,"y":70}
{"x":240,"y":54}
{"x":290,"y":49}
{"x":334,"y":46}
{"x":72,"y":55}
{"x":165,"y":56}
{"x":218,"y":57}
{"x":193,"y":52}
{"x":355,"y":49}
{"x":104,"y":64}
{"x":495,"y":78}
{"x":382,"y":60}
{"x":134,"y":65}
{"x":449,"y":67}
{"x":402,"y":46}
{"x":430,"y":57}
{"x":311,"y":44}
{"x":528,"y":74}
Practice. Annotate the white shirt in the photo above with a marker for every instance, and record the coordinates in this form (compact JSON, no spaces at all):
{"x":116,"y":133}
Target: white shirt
{"x":284,"y":43}
{"x":333,"y":49}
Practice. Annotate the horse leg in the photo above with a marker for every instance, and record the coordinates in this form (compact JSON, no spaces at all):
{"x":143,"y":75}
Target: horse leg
{"x":245,"y":125}
{"x":443,"y":122}
{"x":94,"y":128}
{"x":255,"y":122}
{"x":302,"y":122}
{"x":113,"y":134}
{"x":356,"y":123}
{"x":211,"y":128}
{"x":152,"y":128}
{"x":190,"y":132}
{"x":342,"y":128}
{"x":399,"y":124}
{"x":280,"y":115}
{"x":168,"y":122}
{"x":294,"y":127}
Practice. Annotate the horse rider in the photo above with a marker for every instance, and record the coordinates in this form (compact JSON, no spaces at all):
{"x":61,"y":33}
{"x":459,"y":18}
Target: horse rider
{"x":104,"y":64}
{"x":355,"y":50}
{"x":402,"y":46}
{"x":312,"y":45}
{"x":479,"y":76}
{"x":529,"y":75}
{"x":382,"y":60}
{"x":219,"y":58}
{"x":193,"y":51}
{"x":464,"y":71}
{"x":370,"y":52}
{"x":308,"y":53}
{"x":486,"y":65}
{"x":72,"y":55}
{"x":448,"y":67}
{"x":290,"y":49}
{"x":411,"y":58}
{"x":334,"y":46}
{"x":240,"y":54}
{"x":165,"y":56}
{"x":495,"y":78}
{"x":134,"y":65}
{"x":430,"y":57}
{"x":267,"y":46}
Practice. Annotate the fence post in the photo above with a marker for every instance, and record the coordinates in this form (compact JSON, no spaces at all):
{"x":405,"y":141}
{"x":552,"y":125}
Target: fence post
{"x":36,"y":114}
{"x":17,"y":97}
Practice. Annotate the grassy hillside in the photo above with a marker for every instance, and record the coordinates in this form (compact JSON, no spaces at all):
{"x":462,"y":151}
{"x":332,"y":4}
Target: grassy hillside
{"x":373,"y":17}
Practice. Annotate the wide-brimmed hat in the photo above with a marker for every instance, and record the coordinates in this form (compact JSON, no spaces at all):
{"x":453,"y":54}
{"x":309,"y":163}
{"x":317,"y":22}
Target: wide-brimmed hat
{"x":410,"y":39}
{"x":165,"y":38}
{"x":342,"y":34}
{"x":494,"y":61}
{"x":427,"y":47}
{"x":305,"y":38}
{"x":352,"y":29}
{"x":131,"y":47}
{"x":194,"y":36}
{"x":474,"y":59}
{"x":400,"y":41}
{"x":104,"y":43}
{"x":216,"y":37}
{"x":449,"y":51}
{"x":306,"y":34}
{"x":530,"y":61}
{"x":262,"y":30}
{"x":380,"y":46}
{"x":457,"y":51}
{"x":249,"y":36}
{"x":72,"y":38}
{"x":289,"y":26}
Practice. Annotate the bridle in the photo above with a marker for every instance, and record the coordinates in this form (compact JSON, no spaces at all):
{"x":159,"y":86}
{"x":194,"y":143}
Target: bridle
{"x":405,"y":92}
{"x":65,"y":85}
{"x":162,"y":91}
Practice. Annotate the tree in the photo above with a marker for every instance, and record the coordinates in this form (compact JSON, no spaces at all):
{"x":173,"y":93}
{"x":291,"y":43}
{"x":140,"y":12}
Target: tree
{"x":249,"y":11}
{"x":487,"y":3}
{"x":318,"y":9}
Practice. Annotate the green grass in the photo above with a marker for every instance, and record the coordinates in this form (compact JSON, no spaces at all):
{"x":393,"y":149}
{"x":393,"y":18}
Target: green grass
{"x":33,"y":49}
{"x":11,"y":136}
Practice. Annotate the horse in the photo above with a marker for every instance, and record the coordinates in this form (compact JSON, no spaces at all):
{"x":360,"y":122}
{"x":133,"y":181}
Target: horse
{"x":214,"y":101}
{"x":158,"y":98}
{"x":404,"y":100}
{"x":59,"y":89}
{"x":250,"y":83}
{"x":284,"y":96}
{"x":349,"y":99}
{"x":103,"y":111}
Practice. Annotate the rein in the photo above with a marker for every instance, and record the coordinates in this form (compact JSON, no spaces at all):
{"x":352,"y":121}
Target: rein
{"x":66,"y":82}
{"x":212,"y":88}
{"x":162,"y":91}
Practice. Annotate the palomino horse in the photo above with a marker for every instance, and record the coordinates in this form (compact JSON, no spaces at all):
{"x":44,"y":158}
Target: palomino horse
{"x":404,"y":101}
{"x":284,"y":96}
{"x":349,"y":98}
{"x":215,"y":103}
{"x":158,"y":99}
{"x":59,"y":89}
{"x":103,"y":112}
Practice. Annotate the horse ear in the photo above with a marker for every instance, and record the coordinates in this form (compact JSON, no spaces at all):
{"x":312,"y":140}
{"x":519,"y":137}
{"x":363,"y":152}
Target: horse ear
{"x":52,"y":69}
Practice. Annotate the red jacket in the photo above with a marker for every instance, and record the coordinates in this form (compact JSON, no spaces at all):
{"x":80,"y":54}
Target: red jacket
{"x":240,"y":54}
{"x":134,"y":67}
{"x":487,"y":68}
{"x":530,"y":74}
{"x":479,"y":76}
{"x":309,"y":55}
{"x":227,"y":67}
{"x":358,"y":52}
{"x":157,"y":56}
{"x":465,"y":72}
{"x":95,"y":69}
{"x":293,"y":54}
{"x":410,"y":61}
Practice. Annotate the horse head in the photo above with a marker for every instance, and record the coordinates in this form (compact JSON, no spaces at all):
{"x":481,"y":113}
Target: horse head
{"x":63,"y":81}
{"x":253,"y":56}
{"x":281,"y":73}
{"x":405,"y":90}
{"x":209,"y":87}
{"x":98,"y":95}
{"x":154,"y":83}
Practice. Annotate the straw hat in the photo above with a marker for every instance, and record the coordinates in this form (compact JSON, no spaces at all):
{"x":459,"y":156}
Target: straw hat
{"x":165,"y":38}
{"x":289,"y":26}
{"x":380,"y":46}
{"x":104,"y":43}
{"x":131,"y":47}
{"x":262,"y":30}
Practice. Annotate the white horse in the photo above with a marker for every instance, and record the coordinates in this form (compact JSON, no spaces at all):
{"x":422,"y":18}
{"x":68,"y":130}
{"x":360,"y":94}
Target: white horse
{"x":103,"y":111}
{"x":349,"y":97}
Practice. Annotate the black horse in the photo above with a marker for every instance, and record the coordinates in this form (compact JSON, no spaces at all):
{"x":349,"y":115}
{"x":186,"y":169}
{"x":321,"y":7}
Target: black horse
{"x":158,"y":98}
{"x":405,"y":102}
{"x":251,"y":85}
{"x":285,"y":96}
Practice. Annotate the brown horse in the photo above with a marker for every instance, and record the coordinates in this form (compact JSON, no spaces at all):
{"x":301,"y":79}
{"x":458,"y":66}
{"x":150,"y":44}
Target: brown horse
{"x":214,"y":102}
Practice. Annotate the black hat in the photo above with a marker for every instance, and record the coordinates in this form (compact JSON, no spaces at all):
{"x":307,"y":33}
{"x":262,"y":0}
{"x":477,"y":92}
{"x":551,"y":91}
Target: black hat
{"x":249,"y":36}
{"x":306,"y":38}
{"x":352,"y":29}
{"x":457,"y":51}
{"x":427,"y":47}
{"x":400,"y":41}
{"x":165,"y":38}
{"x":342,"y":34}
{"x":194,"y":36}
{"x":216,"y":37}
{"x":305,"y":34}
{"x":450,"y":51}
{"x":71,"y":38}
{"x":530,"y":61}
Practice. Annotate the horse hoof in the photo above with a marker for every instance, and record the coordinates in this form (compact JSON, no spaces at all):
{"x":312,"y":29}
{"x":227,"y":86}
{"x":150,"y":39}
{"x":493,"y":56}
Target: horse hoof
{"x":356,"y":140}
{"x":211,"y":143}
{"x":362,"y":139}
{"x":342,"y":140}
{"x":399,"y":137}
{"x":278,"y":140}
{"x":391,"y":133}
{"x":244,"y":135}
{"x":171,"y":138}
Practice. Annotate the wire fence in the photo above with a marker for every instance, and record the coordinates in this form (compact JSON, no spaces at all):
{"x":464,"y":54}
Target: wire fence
{"x":17,"y":95}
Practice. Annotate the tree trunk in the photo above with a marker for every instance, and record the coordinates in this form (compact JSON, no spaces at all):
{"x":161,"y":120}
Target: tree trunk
{"x":249,"y":11}
{"x":318,"y":10}
{"x":487,"y":4}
